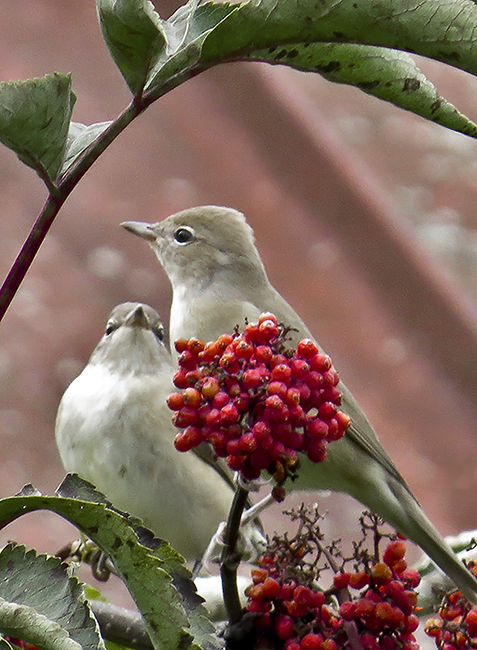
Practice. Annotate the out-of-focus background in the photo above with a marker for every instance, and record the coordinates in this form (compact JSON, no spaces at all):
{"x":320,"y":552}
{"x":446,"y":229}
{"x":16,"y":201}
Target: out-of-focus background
{"x":365,"y":217}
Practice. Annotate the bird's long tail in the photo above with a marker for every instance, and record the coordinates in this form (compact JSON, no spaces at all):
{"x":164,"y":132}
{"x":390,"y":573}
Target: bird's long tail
{"x":411,"y":521}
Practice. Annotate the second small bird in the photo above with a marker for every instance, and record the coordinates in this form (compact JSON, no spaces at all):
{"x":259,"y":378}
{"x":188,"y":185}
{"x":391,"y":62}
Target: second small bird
{"x":114,"y":429}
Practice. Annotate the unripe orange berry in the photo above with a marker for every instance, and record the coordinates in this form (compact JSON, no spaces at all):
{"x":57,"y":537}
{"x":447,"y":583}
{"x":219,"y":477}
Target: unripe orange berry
{"x":381,"y":573}
{"x":181,"y":345}
{"x":195,"y":345}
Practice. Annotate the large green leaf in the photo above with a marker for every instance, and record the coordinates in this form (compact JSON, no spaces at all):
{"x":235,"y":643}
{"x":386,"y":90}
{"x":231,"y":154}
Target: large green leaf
{"x":387,"y":74}
{"x":34,"y":121}
{"x":344,"y":40}
{"x":443,"y":30}
{"x":141,"y":43}
{"x":134,"y":35}
{"x":147,"y":565}
{"x":40,"y":603}
{"x":307,"y":37}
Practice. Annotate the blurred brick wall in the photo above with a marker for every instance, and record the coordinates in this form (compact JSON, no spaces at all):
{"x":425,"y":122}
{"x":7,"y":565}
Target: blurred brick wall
{"x":211,"y":141}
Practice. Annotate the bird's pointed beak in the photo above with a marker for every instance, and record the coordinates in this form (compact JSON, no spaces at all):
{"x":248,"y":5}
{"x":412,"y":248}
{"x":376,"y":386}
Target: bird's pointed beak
{"x":141,"y":229}
{"x":137,"y":318}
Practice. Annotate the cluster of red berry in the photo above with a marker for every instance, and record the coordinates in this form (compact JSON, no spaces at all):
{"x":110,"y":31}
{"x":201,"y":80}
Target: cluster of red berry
{"x":255,"y":401}
{"x":382,"y":611}
{"x":456,"y":627}
{"x":385,"y":612}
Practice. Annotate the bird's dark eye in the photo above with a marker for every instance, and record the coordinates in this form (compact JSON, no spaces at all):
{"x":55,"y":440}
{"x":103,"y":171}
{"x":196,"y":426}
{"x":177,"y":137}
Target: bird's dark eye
{"x":110,"y":327}
{"x":183,"y":235}
{"x":158,"y":332}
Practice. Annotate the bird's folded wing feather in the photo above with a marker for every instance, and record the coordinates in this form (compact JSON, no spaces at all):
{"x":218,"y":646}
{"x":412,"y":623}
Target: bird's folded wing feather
{"x":362,"y":434}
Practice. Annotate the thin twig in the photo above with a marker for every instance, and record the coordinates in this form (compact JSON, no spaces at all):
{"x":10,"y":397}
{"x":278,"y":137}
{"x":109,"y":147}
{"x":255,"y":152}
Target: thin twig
{"x":257,"y":509}
{"x":343,"y":595}
{"x":28,"y":251}
{"x":230,"y":558}
{"x":121,"y":625}
{"x":60,"y":192}
{"x":52,"y":206}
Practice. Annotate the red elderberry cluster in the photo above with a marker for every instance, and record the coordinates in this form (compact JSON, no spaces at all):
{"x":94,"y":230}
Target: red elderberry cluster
{"x":456,"y":627}
{"x":384,"y":613}
{"x":382,"y":610}
{"x":257,"y":402}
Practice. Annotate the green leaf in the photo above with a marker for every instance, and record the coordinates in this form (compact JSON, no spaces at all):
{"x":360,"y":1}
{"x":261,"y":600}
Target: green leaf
{"x":315,"y":38}
{"x":80,"y":137}
{"x":40,"y":603}
{"x":135,"y":37}
{"x":390,"y":75}
{"x":34,"y":119}
{"x":148,"y":566}
{"x":195,"y":23}
{"x":201,"y":628}
{"x":339,"y":40}
{"x":441,"y":30}
{"x":177,"y":28}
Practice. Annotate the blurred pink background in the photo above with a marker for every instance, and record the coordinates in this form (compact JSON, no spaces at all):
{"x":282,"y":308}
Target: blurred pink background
{"x":364,"y":215}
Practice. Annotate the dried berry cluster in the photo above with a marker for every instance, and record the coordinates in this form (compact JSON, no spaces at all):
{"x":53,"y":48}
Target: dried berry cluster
{"x":379,"y":600}
{"x":456,"y":627}
{"x":255,"y":401}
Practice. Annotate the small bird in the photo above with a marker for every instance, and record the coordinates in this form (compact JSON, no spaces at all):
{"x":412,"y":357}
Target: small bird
{"x":114,"y":429}
{"x":218,"y":281}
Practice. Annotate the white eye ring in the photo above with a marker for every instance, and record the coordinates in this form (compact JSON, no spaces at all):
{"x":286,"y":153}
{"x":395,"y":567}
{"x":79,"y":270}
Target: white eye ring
{"x":183,"y":235}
